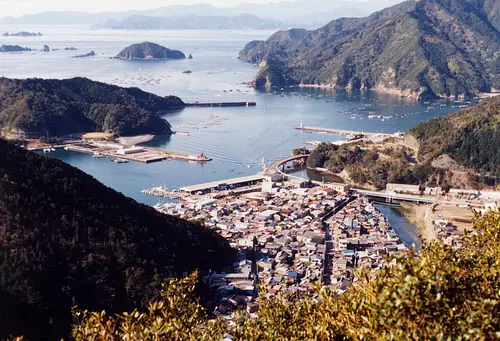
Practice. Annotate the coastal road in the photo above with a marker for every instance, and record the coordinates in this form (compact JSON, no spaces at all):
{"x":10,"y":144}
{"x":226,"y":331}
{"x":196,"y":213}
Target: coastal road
{"x":429,"y":225}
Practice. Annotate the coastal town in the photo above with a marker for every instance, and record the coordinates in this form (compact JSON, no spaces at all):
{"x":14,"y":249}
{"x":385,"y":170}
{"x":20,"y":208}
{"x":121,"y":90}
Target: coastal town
{"x":289,"y":236}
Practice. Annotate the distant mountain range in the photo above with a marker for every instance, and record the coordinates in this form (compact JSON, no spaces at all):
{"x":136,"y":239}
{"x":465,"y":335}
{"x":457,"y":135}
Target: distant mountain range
{"x":244,"y":21}
{"x":308,"y":14}
{"x":421,"y":49}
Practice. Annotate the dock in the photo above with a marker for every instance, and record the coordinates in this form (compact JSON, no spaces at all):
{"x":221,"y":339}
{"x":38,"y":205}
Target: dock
{"x":340,"y":131}
{"x":221,"y":104}
{"x":136,"y":154}
{"x":228,"y":184}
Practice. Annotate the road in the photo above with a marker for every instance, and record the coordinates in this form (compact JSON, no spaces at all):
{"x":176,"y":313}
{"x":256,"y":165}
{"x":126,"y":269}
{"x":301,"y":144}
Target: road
{"x":429,"y":225}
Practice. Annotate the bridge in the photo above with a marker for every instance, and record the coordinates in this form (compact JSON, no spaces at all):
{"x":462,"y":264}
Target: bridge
{"x":275,"y":166}
{"x":390,"y":197}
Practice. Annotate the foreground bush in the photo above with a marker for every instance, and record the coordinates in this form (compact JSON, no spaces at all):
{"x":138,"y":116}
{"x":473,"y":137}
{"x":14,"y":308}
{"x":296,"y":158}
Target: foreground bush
{"x":442,"y":294}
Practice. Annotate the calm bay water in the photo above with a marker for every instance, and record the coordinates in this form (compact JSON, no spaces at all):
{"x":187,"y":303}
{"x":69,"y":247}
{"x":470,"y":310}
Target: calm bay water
{"x":234,"y":137}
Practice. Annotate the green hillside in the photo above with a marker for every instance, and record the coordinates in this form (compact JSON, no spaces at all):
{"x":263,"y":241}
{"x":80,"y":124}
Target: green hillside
{"x":417,"y":48}
{"x":57,"y":107}
{"x":471,"y":137}
{"x":66,"y":239}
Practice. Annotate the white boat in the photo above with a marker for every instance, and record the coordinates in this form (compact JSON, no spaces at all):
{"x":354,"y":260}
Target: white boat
{"x":46,"y":150}
{"x":120,"y":161}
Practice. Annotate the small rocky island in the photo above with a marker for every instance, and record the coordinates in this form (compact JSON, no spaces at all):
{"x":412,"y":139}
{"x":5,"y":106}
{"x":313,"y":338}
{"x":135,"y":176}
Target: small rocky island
{"x":149,"y":51}
{"x":21,"y":34}
{"x":85,"y":55}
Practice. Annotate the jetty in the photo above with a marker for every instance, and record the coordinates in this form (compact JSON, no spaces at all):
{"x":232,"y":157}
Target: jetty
{"x":340,"y":131}
{"x":221,"y":104}
{"x":140,"y":154}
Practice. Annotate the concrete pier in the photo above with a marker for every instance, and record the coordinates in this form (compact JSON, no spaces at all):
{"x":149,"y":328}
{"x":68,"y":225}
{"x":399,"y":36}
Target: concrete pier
{"x":221,"y":104}
{"x":140,"y":154}
{"x":339,"y":131}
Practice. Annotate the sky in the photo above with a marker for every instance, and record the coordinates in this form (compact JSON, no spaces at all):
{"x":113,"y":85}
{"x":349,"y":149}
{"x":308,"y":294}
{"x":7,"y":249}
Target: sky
{"x":20,"y":7}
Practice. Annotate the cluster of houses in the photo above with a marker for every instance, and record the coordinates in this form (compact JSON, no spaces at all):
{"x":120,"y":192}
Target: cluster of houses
{"x":360,"y":236}
{"x":289,"y":239}
{"x":447,"y":233}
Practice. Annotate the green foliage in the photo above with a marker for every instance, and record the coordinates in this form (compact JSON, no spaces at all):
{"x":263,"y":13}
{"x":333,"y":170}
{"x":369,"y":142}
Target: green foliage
{"x":66,"y":239}
{"x":59,"y":107}
{"x":367,"y":167}
{"x":300,"y":151}
{"x":471,"y":137}
{"x":177,"y":315}
{"x":440,"y":294}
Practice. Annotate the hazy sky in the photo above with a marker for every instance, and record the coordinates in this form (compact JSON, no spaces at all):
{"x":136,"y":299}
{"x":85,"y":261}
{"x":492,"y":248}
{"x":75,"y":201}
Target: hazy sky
{"x":19,"y":7}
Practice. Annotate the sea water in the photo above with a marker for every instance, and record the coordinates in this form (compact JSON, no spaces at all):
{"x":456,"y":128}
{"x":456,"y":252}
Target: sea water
{"x":237,"y":139}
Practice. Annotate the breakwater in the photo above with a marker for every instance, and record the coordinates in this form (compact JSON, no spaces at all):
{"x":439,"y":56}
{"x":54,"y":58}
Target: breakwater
{"x":221,"y":104}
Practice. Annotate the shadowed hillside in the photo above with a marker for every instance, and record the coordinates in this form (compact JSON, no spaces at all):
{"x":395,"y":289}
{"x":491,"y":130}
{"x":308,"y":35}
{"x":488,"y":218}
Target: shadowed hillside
{"x":66,"y":239}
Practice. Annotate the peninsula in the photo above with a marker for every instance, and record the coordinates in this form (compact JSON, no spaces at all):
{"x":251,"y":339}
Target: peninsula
{"x":149,"y":51}
{"x":34,"y":108}
{"x":418,"y":49}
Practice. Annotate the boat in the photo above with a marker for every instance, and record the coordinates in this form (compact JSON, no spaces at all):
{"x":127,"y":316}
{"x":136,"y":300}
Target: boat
{"x":249,"y":166}
{"x":97,"y":155}
{"x":120,"y":161}
{"x":46,"y":150}
{"x":351,"y":137}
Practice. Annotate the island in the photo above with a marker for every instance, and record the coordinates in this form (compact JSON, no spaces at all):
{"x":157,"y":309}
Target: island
{"x":21,"y":34}
{"x":149,"y":51}
{"x":13,"y":48}
{"x":34,"y":108}
{"x":407,"y":50}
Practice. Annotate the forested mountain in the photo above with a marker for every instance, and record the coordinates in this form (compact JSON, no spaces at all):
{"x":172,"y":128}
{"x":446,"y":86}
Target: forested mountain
{"x":57,"y":107}
{"x":417,"y":48}
{"x":66,"y":239}
{"x":470,"y":137}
